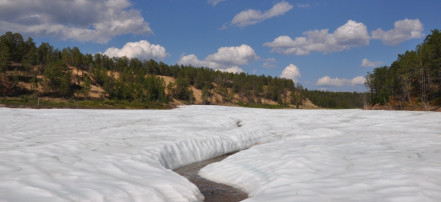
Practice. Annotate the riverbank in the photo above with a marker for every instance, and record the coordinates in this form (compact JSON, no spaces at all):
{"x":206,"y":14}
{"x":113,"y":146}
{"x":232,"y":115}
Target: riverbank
{"x":60,"y":103}
{"x":405,"y":107}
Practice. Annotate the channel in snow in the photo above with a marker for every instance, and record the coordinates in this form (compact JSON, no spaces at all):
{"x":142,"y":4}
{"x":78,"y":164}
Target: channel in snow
{"x":115,"y":155}
{"x":308,"y":155}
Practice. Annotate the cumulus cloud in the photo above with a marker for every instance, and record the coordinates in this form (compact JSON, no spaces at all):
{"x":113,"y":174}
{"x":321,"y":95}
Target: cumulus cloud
{"x":251,"y":16}
{"x":215,"y":2}
{"x":193,"y":60}
{"x":366,"y":63}
{"x":142,"y":50}
{"x":359,"y":80}
{"x":349,"y":35}
{"x":80,"y":20}
{"x":226,"y":59}
{"x":270,"y":63}
{"x":234,"y":55}
{"x":337,"y":82}
{"x":403,"y":30}
{"x":233,"y":69}
{"x":291,"y":72}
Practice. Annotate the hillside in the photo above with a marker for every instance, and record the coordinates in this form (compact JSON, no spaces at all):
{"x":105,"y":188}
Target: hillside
{"x":25,"y":90}
{"x":42,"y":76}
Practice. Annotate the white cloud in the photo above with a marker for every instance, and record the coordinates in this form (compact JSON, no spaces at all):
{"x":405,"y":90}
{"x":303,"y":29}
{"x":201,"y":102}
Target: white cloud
{"x":291,"y":72}
{"x":80,"y":20}
{"x":328,"y":81}
{"x":270,"y":63}
{"x":251,"y":16}
{"x":193,"y":60}
{"x":233,"y":69}
{"x":142,"y":50}
{"x":403,"y":30}
{"x":226,"y":58}
{"x":234,"y":55}
{"x":337,"y":82}
{"x":359,"y":80}
{"x":366,"y":63}
{"x":215,"y":2}
{"x":349,"y":35}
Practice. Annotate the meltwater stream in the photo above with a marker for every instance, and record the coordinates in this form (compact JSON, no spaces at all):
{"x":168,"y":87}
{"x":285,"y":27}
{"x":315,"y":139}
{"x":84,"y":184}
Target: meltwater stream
{"x":212,"y":191}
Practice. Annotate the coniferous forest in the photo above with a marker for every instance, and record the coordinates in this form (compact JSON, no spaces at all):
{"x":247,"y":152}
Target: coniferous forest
{"x":39,"y":76}
{"x":412,"y":81}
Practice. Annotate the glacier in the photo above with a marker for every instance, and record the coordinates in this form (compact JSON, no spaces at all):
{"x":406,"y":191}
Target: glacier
{"x":285,"y":155}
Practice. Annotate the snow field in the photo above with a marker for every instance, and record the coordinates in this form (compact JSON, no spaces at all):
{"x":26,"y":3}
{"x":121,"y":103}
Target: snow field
{"x":295,"y":155}
{"x":340,"y":155}
{"x":113,"y":155}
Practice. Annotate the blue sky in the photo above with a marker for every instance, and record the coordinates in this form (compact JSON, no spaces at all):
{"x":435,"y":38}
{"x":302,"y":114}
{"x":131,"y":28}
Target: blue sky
{"x":321,"y":44}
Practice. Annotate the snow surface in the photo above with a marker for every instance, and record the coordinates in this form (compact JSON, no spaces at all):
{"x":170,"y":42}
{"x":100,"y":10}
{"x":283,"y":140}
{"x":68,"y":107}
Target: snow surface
{"x":300,"y":155}
{"x":340,"y":155}
{"x":114,"y":155}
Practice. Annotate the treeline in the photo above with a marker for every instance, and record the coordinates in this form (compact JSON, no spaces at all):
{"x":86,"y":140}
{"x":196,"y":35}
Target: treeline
{"x":43,"y":71}
{"x":26,"y":69}
{"x":413,"y":80}
{"x":336,"y":100}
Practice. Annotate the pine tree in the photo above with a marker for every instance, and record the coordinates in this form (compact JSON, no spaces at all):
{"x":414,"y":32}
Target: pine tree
{"x":4,"y":57}
{"x":57,"y":79}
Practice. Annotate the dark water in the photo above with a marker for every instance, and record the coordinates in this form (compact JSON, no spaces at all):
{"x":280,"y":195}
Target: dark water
{"x":212,"y":191}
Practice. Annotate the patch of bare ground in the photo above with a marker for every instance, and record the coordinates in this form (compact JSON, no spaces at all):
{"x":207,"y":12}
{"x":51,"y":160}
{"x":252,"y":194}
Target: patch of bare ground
{"x":307,"y":104}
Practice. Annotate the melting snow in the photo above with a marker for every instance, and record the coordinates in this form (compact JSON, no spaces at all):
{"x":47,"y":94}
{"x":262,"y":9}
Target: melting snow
{"x":300,"y":155}
{"x":340,"y":155}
